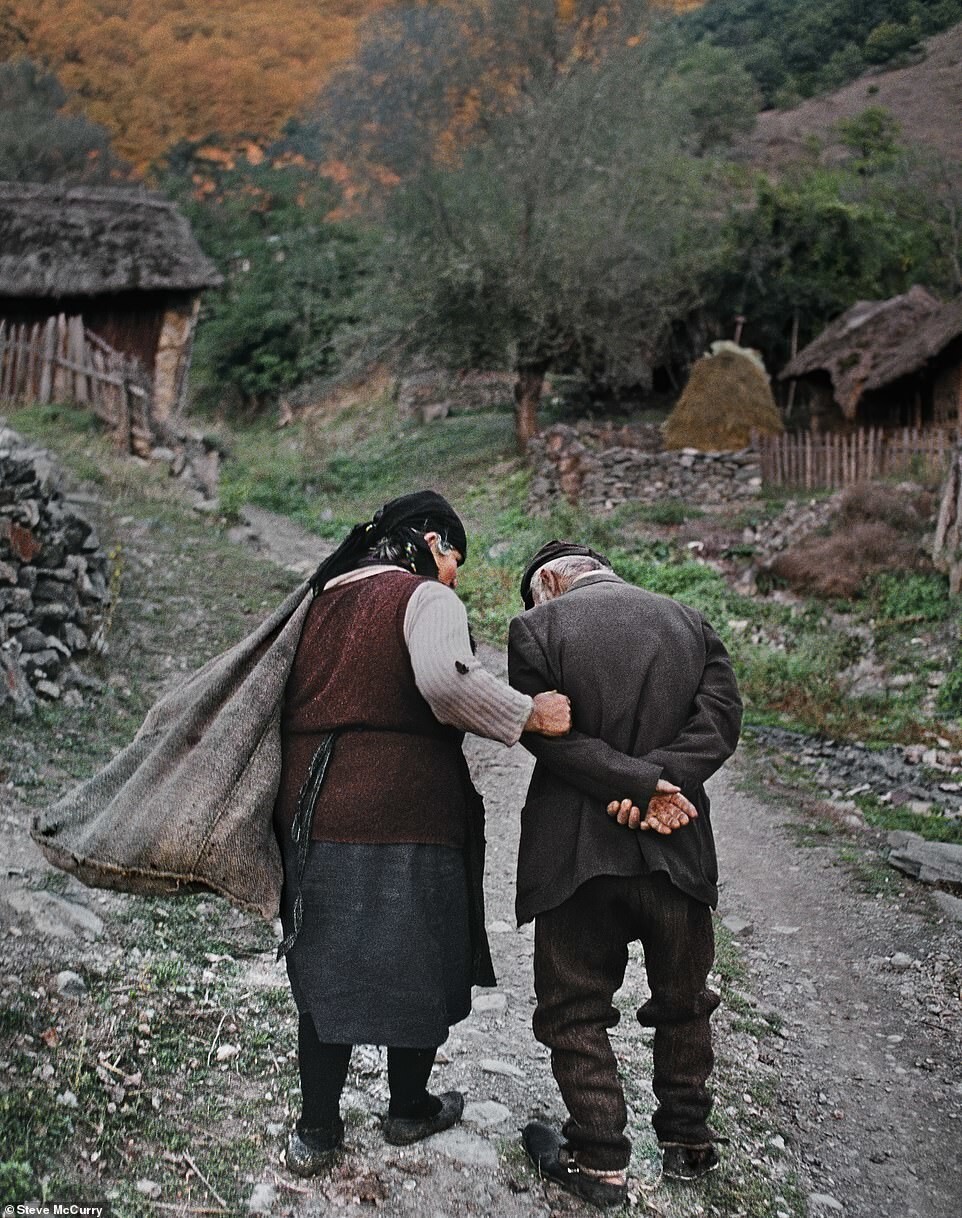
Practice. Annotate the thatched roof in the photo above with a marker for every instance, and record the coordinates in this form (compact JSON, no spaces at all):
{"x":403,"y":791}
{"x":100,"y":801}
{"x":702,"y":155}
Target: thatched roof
{"x":878,"y":342}
{"x":83,"y":241}
{"x":727,"y":398}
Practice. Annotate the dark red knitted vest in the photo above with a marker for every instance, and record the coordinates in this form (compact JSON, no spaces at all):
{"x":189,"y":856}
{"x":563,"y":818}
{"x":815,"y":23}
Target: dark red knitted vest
{"x":395,"y":775}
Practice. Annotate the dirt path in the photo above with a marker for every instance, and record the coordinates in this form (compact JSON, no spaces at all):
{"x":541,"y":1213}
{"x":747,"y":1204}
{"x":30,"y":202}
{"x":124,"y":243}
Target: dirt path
{"x":869,"y":1056}
{"x":838,"y":1074}
{"x":869,"y":991}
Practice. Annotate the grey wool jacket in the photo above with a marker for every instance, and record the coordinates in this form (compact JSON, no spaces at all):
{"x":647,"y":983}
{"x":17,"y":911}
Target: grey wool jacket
{"x":653,"y":695}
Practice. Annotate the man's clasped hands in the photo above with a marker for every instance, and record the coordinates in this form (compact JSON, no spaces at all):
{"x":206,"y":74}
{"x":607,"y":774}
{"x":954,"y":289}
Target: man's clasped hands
{"x":667,"y":810}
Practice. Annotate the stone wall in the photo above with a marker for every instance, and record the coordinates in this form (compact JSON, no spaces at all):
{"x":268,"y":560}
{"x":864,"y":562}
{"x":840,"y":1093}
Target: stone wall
{"x":574,"y":465}
{"x":54,"y":580}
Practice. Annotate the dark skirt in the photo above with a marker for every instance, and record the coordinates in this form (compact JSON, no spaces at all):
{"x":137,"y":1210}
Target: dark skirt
{"x":384,"y":955}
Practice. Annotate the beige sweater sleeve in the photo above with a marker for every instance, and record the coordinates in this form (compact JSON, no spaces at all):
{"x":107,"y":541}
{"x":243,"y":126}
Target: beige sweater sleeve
{"x":452,"y":682}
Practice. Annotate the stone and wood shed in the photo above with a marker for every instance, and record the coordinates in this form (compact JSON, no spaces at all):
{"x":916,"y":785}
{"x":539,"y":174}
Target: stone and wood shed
{"x":886,"y":363}
{"x":123,"y":259}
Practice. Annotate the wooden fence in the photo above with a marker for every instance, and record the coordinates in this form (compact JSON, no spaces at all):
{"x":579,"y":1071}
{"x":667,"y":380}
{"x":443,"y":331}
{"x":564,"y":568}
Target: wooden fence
{"x":832,"y":460}
{"x":60,"y":360}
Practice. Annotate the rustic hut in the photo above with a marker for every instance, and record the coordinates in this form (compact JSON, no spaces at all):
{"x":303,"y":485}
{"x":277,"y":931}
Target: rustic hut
{"x":726,"y":400}
{"x":124,"y":260}
{"x":886,"y":363}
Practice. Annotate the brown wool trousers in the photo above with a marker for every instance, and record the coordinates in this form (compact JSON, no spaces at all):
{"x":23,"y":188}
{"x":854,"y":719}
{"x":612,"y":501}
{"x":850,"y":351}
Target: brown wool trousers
{"x":580,"y":956}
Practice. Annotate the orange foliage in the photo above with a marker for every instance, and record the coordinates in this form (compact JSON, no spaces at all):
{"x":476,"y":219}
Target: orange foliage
{"x":157,"y":71}
{"x":154,"y":72}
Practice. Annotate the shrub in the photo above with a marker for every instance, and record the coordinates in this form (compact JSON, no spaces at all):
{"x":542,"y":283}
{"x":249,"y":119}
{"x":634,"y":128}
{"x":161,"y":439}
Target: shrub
{"x":919,"y":596}
{"x":950,"y":693}
{"x":840,"y":565}
{"x":877,"y":529}
{"x":907,"y":510}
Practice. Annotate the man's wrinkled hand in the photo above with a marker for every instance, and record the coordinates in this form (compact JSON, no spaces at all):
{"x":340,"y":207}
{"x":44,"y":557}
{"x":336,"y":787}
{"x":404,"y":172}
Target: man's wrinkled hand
{"x":667,"y":810}
{"x":550,"y":714}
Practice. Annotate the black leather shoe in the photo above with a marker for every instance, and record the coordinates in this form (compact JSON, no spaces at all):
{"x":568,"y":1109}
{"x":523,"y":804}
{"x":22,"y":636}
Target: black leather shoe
{"x":402,"y":1131}
{"x":679,"y":1162}
{"x":310,"y":1151}
{"x":548,"y":1152}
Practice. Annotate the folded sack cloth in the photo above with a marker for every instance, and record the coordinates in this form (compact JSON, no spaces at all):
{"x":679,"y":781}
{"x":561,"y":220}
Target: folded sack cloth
{"x":188,"y":804}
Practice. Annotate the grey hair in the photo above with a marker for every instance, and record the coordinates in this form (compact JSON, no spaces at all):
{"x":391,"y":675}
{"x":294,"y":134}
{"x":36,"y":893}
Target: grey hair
{"x":568,"y":568}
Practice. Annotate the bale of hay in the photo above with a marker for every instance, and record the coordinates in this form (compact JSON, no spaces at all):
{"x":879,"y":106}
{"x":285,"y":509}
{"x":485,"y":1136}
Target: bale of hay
{"x":727,"y":398}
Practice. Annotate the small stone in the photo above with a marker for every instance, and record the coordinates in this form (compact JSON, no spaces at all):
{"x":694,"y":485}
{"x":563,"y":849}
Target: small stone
{"x":488,"y":1003}
{"x":824,"y":1202}
{"x":67,"y":1099}
{"x":736,"y":925}
{"x":491,"y":1065}
{"x":949,"y":905}
{"x":486,"y":1114}
{"x":226,"y":1053}
{"x":262,"y":1199}
{"x":149,"y":1188}
{"x":467,"y":1148}
{"x":70,"y":984}
{"x":901,"y":961}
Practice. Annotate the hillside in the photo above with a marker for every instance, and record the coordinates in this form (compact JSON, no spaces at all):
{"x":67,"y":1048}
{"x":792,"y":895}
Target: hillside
{"x":157,"y":71}
{"x":925,"y":98}
{"x":154,"y":72}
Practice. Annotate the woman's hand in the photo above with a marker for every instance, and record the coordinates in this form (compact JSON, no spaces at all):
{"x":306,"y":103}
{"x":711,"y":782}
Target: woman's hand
{"x":550,"y":714}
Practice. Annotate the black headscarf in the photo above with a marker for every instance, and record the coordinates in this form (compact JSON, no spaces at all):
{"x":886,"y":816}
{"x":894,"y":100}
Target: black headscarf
{"x":406,"y":519}
{"x":548,"y":553}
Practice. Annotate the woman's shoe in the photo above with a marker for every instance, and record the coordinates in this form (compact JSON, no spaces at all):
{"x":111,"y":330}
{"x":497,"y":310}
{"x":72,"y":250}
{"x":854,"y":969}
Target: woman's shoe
{"x":309,"y":1151}
{"x":402,"y":1131}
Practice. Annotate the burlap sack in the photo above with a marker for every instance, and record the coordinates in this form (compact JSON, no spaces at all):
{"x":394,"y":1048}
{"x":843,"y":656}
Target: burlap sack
{"x":188,"y":804}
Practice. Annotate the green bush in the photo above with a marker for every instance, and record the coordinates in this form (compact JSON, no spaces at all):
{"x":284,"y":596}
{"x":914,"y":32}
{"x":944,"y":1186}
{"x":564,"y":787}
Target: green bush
{"x":910,"y":596}
{"x":950,"y":692}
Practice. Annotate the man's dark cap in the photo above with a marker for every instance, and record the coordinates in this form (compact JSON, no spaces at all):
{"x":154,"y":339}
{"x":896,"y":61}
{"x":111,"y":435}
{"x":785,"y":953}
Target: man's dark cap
{"x":548,"y":553}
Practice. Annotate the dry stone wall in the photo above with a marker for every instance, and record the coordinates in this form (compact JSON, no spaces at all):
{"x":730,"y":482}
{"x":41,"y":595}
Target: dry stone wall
{"x":574,"y":465}
{"x":54,"y":580}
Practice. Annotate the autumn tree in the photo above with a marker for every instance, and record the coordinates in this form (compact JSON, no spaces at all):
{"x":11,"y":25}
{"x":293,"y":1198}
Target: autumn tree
{"x":578,"y":222}
{"x":39,"y":141}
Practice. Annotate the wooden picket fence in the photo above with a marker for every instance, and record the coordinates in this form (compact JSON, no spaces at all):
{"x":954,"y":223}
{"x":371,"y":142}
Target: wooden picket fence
{"x":829,"y":460}
{"x":60,"y":360}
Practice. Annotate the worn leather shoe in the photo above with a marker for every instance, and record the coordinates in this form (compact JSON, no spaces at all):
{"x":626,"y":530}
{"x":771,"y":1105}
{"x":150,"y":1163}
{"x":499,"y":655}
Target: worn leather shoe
{"x":548,"y":1152}
{"x":310,"y":1151}
{"x":680,"y":1162}
{"x":402,"y":1131}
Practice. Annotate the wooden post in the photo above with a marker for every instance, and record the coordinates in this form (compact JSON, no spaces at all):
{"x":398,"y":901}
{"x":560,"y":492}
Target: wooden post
{"x":947,"y":547}
{"x":60,"y":388}
{"x":46,"y":360}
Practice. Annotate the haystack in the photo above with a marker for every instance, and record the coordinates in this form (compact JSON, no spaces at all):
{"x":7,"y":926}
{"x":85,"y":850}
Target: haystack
{"x":727,"y":398}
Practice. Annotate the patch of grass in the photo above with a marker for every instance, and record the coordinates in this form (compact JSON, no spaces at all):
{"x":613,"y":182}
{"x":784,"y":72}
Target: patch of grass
{"x":934,"y":828}
{"x":667,"y":512}
{"x":910,"y":596}
{"x":873,"y":877}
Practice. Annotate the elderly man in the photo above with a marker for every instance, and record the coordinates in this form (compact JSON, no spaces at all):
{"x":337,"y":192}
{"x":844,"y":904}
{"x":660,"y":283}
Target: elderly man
{"x":655,"y":701}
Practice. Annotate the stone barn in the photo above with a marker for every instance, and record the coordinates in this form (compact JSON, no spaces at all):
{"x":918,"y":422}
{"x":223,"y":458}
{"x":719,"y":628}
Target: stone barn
{"x":888,"y":363}
{"x":121,"y":258}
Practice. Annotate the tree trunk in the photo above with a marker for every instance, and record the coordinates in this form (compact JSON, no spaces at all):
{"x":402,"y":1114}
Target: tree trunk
{"x":947,"y":549}
{"x":527,"y":396}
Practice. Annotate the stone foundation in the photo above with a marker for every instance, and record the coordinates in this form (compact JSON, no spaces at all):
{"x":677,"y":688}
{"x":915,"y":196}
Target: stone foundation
{"x":573,"y":465}
{"x":54,"y":580}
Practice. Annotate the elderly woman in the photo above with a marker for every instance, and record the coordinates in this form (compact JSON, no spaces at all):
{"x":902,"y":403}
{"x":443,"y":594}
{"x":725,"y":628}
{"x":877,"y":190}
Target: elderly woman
{"x":380,"y":828}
